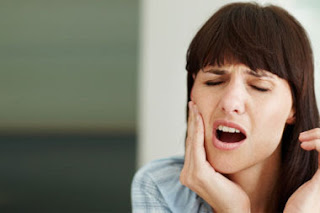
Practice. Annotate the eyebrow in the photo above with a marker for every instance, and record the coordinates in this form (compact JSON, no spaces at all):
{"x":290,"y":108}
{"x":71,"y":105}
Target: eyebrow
{"x":258,"y":74}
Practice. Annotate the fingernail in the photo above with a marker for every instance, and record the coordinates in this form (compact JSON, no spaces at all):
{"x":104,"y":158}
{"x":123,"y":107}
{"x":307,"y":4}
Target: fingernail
{"x":303,"y":133}
{"x":302,"y":136}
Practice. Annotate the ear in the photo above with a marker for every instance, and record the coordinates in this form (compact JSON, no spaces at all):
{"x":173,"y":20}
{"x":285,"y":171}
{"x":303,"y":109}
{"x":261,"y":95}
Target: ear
{"x":292,"y":117}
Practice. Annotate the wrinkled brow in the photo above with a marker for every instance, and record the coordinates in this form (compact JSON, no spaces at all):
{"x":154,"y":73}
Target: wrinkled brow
{"x":258,"y":73}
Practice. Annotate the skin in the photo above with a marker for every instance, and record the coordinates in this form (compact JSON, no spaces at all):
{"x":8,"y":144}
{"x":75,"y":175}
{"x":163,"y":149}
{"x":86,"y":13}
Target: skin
{"x":242,"y":179}
{"x":233,"y":93}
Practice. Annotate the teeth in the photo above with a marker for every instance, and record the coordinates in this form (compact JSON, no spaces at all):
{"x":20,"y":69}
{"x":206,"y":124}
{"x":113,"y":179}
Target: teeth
{"x":228,"y":129}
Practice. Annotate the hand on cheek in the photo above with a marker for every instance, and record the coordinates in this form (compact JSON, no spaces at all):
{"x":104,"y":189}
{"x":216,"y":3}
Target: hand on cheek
{"x":198,"y":175}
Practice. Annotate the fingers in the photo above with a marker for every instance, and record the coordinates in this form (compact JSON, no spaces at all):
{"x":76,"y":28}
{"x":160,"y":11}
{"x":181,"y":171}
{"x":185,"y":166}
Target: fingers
{"x":311,"y":145}
{"x":195,"y":124}
{"x":194,"y":152}
{"x":189,"y":138}
{"x":195,"y":138}
{"x":191,"y":120}
{"x":310,"y":140}
{"x":310,"y":134}
{"x":198,"y":126}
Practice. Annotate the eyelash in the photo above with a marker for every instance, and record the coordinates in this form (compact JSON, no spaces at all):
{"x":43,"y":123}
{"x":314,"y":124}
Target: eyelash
{"x":260,"y":89}
{"x":210,"y":83}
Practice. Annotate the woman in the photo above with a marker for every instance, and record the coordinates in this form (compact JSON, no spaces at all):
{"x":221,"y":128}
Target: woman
{"x":253,"y":135}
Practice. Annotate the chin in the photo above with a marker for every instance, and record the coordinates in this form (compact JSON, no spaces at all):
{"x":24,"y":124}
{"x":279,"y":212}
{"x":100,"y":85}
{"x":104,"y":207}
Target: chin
{"x":226,"y":170}
{"x":226,"y":166}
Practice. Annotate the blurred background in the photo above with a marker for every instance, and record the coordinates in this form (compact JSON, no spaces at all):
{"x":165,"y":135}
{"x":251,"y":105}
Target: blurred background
{"x":68,"y":104}
{"x":91,"y":91}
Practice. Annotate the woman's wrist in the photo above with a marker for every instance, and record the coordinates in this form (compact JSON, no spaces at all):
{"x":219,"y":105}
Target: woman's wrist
{"x":243,"y":207}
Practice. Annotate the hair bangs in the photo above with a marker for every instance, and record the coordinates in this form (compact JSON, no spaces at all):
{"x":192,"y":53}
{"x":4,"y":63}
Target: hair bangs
{"x":247,"y":35}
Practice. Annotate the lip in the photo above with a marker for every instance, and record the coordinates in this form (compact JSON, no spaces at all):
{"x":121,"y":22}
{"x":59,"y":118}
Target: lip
{"x":222,"y":145}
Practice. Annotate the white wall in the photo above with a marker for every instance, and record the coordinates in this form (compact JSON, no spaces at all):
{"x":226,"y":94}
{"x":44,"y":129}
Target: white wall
{"x":167,"y":28}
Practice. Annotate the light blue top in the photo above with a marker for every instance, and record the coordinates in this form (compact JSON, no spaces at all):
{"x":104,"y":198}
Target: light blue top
{"x":156,"y":188}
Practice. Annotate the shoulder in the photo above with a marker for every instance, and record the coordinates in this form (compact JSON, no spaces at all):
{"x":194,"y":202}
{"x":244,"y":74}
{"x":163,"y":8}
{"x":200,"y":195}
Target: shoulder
{"x":161,"y":171}
{"x":156,"y":186}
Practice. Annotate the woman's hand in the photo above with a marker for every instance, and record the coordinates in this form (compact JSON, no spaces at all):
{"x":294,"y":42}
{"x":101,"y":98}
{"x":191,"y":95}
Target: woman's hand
{"x":197,"y":174}
{"x":307,"y":197}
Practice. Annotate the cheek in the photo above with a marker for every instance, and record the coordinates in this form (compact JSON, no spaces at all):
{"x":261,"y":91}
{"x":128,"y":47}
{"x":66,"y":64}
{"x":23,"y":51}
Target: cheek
{"x":272,"y":120}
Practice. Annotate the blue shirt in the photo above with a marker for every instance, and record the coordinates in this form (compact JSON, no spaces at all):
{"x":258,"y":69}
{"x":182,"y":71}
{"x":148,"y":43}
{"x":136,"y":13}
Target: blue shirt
{"x":156,"y":188}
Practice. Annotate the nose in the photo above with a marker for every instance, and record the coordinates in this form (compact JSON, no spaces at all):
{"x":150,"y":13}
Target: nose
{"x":234,"y":98}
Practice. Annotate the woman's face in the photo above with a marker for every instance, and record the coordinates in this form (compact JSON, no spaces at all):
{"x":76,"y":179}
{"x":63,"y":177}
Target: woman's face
{"x":244,"y":114}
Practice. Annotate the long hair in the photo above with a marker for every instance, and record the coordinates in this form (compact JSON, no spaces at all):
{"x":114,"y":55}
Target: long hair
{"x":268,"y":38}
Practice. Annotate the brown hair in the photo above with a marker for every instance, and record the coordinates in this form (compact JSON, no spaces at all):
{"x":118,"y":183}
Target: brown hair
{"x":268,"y":38}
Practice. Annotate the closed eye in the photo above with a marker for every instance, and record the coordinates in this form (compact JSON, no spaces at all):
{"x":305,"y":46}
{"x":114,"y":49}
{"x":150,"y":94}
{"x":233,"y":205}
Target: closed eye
{"x":211,"y":83}
{"x":260,"y":88}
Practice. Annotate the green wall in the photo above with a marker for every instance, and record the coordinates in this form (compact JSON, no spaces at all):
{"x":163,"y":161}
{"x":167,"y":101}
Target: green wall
{"x":68,"y":65}
{"x":68,"y":71}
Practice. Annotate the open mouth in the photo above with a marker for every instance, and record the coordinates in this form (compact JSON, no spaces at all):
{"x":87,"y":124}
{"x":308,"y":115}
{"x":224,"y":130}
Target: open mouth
{"x":229,"y":135}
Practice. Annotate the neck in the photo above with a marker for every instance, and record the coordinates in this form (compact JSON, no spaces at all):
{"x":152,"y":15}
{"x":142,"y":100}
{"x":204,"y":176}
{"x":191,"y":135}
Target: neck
{"x":259,"y":182}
